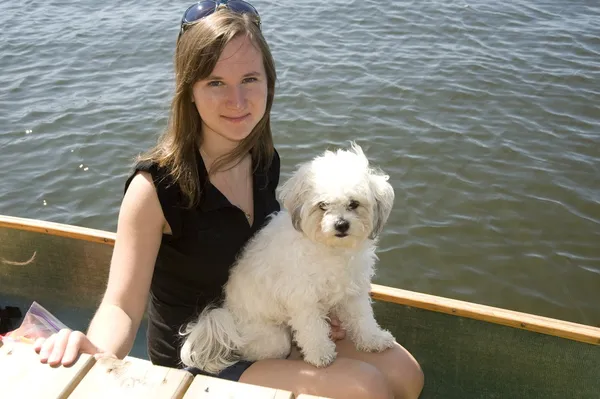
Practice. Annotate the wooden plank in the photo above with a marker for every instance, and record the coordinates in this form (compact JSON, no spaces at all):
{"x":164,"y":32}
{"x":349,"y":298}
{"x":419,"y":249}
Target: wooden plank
{"x":205,"y":387}
{"x":132,"y":378}
{"x":281,"y":394}
{"x":58,"y":229}
{"x":524,"y":321}
{"x":24,"y":376}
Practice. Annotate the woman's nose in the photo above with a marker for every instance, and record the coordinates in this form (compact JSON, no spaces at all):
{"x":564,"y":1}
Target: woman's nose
{"x":236,"y":98}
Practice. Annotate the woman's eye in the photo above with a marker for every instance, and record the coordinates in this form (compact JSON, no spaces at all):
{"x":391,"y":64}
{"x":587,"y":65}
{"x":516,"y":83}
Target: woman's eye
{"x":250,"y":80}
{"x":353,"y":205}
{"x":215,"y":83}
{"x":322,"y":206}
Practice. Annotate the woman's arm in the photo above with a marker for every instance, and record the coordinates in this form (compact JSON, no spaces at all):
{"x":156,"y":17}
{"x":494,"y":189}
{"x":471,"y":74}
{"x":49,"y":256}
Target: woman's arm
{"x":115,"y":324}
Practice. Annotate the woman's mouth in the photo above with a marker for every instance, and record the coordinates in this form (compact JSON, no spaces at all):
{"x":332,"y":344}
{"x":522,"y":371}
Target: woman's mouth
{"x":235,"y":119}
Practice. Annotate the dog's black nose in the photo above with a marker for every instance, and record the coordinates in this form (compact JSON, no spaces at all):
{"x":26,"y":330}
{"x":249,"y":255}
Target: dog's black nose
{"x":342,"y":225}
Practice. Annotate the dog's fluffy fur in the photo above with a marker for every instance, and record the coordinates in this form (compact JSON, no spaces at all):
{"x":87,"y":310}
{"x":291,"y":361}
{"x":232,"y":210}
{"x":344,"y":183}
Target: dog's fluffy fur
{"x":314,"y":258}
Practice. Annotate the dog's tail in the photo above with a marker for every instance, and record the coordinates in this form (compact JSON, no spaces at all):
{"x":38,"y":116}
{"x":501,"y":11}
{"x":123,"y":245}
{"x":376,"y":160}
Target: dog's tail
{"x":212,"y":342}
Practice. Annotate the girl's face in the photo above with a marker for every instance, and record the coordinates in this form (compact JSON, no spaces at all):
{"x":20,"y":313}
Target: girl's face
{"x":233,"y":99}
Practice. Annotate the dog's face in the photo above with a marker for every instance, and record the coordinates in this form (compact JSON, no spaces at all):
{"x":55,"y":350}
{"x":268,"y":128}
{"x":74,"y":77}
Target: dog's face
{"x":341,"y":220}
{"x":337,"y":199}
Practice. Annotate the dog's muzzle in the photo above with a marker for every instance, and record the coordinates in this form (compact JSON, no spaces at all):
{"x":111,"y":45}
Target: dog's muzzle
{"x":341,"y":226}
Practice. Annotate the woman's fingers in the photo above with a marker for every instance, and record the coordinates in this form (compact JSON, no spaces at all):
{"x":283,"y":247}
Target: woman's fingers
{"x":37,"y":345}
{"x":336,"y":331}
{"x":46,"y":348}
{"x":60,"y":344}
{"x":334,"y":321}
{"x":338,"y":334}
{"x":77,"y":343}
{"x":64,"y":347}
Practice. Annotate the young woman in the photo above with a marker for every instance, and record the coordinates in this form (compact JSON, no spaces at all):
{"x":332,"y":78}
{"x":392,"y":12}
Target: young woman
{"x":192,"y":203}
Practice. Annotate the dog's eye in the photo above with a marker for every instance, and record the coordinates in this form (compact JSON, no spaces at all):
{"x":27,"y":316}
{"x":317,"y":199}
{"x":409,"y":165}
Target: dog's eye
{"x":353,"y":204}
{"x":323,"y":206}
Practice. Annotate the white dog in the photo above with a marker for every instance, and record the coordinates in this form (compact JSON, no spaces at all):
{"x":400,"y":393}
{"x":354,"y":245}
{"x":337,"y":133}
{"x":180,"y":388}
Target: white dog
{"x":313,"y":259}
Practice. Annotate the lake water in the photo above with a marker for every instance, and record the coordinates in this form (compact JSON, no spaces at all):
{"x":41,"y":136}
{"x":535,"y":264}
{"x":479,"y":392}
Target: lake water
{"x":485,"y":114}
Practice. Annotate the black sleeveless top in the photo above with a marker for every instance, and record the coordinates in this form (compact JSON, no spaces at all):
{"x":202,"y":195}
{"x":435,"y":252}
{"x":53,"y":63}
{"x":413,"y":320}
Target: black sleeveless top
{"x":193,"y":263}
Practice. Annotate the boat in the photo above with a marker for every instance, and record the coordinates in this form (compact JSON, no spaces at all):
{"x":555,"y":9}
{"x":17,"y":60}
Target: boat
{"x":466,"y":350}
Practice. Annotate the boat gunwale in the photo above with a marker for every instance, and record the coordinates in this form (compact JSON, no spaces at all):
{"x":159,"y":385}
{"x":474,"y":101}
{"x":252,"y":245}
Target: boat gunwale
{"x":511,"y":318}
{"x":525,"y":321}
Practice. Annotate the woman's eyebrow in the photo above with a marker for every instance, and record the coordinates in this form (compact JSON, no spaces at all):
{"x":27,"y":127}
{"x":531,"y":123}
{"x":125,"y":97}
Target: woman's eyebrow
{"x":214,"y":77}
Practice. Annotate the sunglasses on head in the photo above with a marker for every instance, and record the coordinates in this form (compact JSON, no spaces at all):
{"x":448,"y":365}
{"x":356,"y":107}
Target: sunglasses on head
{"x":203,"y":9}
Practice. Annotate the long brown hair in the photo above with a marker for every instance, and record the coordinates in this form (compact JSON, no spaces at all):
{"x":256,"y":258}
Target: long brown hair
{"x":196,"y":55}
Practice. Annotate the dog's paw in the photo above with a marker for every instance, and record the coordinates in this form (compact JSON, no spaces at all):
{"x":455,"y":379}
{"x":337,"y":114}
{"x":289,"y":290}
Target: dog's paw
{"x":320,"y":357}
{"x":377,"y":342}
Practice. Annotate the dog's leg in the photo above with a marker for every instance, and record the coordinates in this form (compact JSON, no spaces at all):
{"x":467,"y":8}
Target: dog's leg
{"x":312,"y":335}
{"x":356,"y":315}
{"x":265,"y":341}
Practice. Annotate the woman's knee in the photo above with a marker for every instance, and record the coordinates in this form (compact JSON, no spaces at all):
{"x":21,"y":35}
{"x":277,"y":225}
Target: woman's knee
{"x":401,"y":370}
{"x":418,"y":382}
{"x":406,"y":379}
{"x":362,"y":380}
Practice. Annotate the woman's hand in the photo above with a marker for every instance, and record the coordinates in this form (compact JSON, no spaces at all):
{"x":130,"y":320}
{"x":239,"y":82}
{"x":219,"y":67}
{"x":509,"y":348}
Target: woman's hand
{"x":65,"y":346}
{"x":337,"y":332}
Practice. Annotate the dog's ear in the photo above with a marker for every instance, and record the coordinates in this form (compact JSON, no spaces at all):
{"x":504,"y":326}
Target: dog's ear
{"x":293,"y":192}
{"x":383,"y":193}
{"x":297,"y":218}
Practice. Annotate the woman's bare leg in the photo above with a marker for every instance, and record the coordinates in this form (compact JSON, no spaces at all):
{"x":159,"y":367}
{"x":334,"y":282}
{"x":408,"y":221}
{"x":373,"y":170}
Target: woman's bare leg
{"x":344,"y":378}
{"x":402,"y":371}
